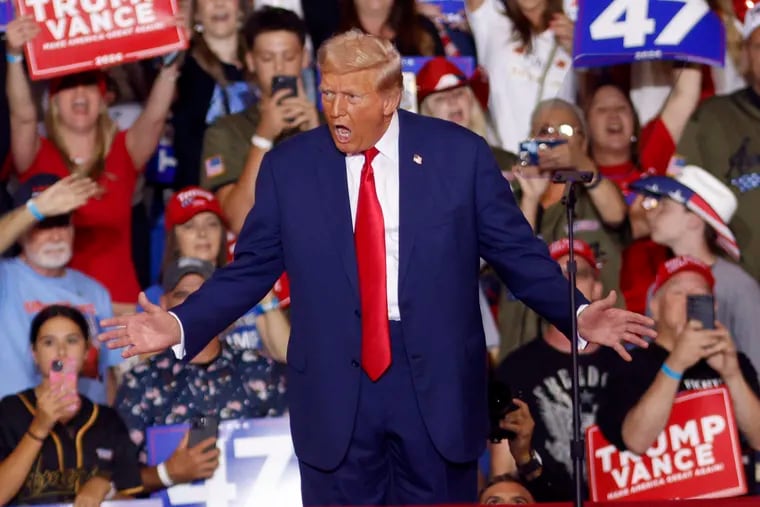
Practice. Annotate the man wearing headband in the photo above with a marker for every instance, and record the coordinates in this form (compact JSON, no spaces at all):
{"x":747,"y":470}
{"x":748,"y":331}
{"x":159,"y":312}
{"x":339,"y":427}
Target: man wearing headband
{"x":684,"y":357}
{"x":38,"y":277}
{"x":689,"y":213}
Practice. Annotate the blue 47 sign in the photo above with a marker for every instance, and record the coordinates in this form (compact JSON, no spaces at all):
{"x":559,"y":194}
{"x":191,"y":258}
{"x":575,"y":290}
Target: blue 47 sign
{"x":609,"y":32}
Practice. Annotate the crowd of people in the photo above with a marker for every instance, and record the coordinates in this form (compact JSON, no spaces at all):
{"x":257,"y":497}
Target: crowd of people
{"x":671,"y":211}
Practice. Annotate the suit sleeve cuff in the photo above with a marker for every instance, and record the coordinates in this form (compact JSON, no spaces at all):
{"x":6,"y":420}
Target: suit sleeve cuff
{"x":179,"y":349}
{"x":581,"y":342}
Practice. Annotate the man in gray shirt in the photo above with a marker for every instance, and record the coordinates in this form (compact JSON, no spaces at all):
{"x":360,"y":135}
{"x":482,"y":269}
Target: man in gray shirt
{"x":689,"y":213}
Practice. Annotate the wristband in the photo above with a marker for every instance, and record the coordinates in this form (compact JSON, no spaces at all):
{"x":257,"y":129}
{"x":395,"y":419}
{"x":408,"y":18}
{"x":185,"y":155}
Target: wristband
{"x":34,"y":210}
{"x":261,"y":142}
{"x":594,"y":182}
{"x":163,"y":475}
{"x":262,"y":308}
{"x":11,"y":58}
{"x":35,"y":437}
{"x":671,"y":373}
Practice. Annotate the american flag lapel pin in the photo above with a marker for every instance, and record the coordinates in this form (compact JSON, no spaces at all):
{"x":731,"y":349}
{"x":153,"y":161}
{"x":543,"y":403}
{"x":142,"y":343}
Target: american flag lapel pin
{"x":417,"y":159}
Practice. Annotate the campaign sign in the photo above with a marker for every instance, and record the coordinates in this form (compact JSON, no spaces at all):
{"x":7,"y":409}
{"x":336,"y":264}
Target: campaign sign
{"x":697,"y":455}
{"x":78,"y":35}
{"x":609,"y":32}
{"x":6,"y":13}
{"x":452,"y":10}
{"x":257,"y":465}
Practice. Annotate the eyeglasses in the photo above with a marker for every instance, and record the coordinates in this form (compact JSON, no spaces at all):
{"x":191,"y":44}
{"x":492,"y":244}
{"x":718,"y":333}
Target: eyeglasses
{"x":563,"y":129}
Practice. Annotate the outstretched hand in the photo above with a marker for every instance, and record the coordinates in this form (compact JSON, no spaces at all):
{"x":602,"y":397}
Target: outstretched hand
{"x":143,"y":333}
{"x":604,"y":324}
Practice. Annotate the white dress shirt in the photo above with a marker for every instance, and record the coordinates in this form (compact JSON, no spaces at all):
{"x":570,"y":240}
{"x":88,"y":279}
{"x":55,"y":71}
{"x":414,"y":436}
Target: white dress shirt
{"x":386,"y":169}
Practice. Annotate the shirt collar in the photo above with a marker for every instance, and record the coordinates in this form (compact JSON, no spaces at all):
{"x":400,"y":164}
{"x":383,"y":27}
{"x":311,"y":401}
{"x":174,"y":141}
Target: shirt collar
{"x":388,"y":144}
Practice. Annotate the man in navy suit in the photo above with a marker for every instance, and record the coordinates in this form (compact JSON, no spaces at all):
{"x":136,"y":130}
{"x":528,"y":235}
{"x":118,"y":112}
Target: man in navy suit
{"x":380,"y":219}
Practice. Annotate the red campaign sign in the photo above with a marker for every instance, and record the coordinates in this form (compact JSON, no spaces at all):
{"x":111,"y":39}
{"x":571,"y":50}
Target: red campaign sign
{"x":697,"y":455}
{"x":79,"y":35}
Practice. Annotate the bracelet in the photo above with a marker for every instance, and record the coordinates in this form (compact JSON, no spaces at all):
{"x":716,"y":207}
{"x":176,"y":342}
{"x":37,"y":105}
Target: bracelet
{"x":35,"y":437}
{"x":163,"y":475}
{"x":261,"y":142}
{"x":34,"y":210}
{"x":262,"y":308}
{"x":594,"y":182}
{"x":671,"y":373}
{"x":12,"y":58}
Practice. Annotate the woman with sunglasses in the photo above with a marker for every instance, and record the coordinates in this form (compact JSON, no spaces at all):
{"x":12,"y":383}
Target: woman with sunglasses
{"x":599,"y":209}
{"x":56,"y":446}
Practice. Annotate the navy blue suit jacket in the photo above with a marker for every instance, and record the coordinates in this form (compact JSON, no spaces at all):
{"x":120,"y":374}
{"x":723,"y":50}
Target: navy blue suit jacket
{"x":454,"y":208}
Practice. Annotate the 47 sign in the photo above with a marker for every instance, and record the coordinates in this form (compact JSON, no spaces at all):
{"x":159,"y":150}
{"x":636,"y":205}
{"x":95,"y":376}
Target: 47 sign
{"x":609,"y":32}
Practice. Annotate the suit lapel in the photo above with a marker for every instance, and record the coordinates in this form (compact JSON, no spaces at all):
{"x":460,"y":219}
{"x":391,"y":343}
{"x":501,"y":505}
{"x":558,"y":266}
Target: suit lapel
{"x":333,"y":185}
{"x":414,"y":201}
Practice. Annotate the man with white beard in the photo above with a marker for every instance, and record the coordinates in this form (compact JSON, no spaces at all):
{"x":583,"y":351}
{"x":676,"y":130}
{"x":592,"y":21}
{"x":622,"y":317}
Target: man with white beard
{"x":38,"y":277}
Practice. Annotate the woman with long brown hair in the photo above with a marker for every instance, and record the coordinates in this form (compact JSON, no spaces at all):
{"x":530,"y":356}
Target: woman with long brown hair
{"x":212,"y":83}
{"x":395,"y":20}
{"x":526,"y":48}
{"x":82,"y":139}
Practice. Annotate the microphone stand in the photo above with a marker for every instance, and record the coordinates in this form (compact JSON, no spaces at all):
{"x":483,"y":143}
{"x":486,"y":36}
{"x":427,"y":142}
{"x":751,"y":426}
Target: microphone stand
{"x":571,"y":178}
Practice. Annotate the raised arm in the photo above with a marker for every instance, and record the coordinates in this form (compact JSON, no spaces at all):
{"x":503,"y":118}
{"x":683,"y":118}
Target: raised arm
{"x":25,"y":141}
{"x":682,"y":101}
{"x":61,"y":198}
{"x":145,"y":133}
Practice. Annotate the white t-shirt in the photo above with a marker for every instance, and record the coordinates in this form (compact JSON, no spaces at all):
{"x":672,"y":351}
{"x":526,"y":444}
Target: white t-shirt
{"x":514,"y":75}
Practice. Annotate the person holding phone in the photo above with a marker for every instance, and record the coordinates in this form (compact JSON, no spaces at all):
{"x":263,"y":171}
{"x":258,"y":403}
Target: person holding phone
{"x":689,"y":213}
{"x":56,"y":445}
{"x":685,"y":356}
{"x":277,"y":55}
{"x":220,"y":383}
{"x":600,"y":211}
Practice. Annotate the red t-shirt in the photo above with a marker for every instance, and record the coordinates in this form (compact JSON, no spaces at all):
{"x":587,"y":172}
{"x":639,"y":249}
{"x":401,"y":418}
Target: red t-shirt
{"x":103,"y":227}
{"x":641,"y":258}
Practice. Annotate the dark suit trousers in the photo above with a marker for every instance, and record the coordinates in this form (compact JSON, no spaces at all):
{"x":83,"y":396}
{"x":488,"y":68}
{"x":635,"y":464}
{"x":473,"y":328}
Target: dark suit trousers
{"x":391,"y":459}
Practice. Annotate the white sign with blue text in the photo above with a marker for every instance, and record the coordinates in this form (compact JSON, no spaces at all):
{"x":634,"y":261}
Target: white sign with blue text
{"x":257,"y":466}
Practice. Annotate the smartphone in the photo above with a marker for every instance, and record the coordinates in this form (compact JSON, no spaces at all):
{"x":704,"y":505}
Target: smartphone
{"x":500,"y":404}
{"x":529,"y":149}
{"x":701,"y":307}
{"x":63,"y":372}
{"x":285,"y":83}
{"x":202,"y":428}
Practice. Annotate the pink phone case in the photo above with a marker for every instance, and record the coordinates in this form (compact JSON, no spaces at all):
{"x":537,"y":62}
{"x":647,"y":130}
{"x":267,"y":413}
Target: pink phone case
{"x":63,"y":372}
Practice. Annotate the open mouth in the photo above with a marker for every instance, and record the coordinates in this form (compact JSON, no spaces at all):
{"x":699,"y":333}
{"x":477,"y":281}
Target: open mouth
{"x":220,"y":17}
{"x":614,"y":128}
{"x":80,"y":105}
{"x":342,"y":133}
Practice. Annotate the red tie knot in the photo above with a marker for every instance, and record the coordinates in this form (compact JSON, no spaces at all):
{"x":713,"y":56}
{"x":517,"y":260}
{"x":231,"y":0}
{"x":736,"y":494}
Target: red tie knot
{"x":370,"y":155}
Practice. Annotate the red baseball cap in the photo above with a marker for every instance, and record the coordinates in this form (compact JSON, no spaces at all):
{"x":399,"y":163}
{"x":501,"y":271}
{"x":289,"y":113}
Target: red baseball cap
{"x":92,"y":77}
{"x":188,"y":202}
{"x":676,"y":265}
{"x":561,"y":247}
{"x":437,"y":75}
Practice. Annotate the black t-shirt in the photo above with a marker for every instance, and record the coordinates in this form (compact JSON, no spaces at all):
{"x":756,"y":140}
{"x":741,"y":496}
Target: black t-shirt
{"x":194,"y":110}
{"x":541,"y":376}
{"x":94,"y":443}
{"x":631,"y":380}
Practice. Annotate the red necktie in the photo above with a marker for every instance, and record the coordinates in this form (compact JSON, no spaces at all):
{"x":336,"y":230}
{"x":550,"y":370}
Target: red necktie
{"x":369,"y":240}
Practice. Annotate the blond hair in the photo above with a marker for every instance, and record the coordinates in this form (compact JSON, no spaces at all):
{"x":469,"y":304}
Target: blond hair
{"x":105,"y":131}
{"x":355,"y":51}
{"x":478,"y":122}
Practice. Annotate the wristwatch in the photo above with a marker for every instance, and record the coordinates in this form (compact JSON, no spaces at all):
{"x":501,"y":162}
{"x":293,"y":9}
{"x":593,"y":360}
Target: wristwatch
{"x":531,"y":466}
